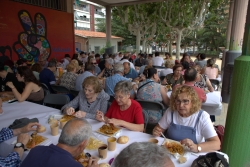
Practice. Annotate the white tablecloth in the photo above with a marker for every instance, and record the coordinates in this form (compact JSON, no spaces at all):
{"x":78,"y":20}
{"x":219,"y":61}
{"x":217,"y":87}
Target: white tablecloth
{"x":213,"y":103}
{"x":31,"y":110}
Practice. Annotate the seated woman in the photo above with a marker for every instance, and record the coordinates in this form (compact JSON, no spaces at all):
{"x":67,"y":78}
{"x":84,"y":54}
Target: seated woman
{"x":169,"y":68}
{"x":108,"y":70}
{"x":202,"y":80}
{"x":184,"y":121}
{"x":68,"y":79}
{"x":186,"y":57}
{"x":151,"y":90}
{"x":32,"y":91}
{"x":124,"y":111}
{"x":176,"y":77}
{"x":210,"y":70}
{"x":89,"y":100}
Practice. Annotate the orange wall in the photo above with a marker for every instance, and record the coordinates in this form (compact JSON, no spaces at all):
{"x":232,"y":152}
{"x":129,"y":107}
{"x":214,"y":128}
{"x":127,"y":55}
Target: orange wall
{"x":55,"y":41}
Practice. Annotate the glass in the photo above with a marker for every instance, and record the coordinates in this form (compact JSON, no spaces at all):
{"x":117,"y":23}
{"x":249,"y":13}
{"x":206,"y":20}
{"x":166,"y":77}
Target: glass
{"x":185,"y":101}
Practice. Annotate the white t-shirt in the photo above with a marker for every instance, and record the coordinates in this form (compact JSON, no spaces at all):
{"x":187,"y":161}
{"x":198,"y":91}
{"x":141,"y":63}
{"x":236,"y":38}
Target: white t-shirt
{"x":118,"y":58}
{"x":204,"y":128}
{"x":166,"y":72}
{"x":158,"y":61}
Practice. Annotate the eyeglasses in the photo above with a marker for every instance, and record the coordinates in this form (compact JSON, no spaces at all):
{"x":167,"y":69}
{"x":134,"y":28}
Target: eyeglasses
{"x":119,"y":97}
{"x":185,"y":101}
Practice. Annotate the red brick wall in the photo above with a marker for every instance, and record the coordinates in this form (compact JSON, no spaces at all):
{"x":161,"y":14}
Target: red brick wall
{"x":30,"y":31}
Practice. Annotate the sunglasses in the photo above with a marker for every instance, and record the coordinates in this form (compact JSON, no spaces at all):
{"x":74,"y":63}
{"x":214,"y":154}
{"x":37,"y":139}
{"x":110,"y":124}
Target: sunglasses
{"x":93,"y":63}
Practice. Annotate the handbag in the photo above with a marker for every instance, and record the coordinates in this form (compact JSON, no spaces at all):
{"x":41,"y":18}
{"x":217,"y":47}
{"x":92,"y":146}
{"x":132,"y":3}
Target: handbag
{"x":212,"y":159}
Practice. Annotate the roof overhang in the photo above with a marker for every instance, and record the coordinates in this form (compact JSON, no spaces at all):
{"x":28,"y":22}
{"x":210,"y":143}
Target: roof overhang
{"x":122,"y":2}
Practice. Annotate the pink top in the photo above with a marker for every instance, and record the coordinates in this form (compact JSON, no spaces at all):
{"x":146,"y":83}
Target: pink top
{"x":211,"y":72}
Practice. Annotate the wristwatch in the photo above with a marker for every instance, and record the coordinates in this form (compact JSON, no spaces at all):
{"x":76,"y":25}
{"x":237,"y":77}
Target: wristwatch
{"x":19,"y":145}
{"x":199,"y":148}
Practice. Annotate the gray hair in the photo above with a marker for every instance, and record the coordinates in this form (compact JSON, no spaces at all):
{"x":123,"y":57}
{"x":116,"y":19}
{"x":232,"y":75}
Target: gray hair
{"x":118,"y":68}
{"x":75,"y":131}
{"x":124,"y":87}
{"x":109,"y":61}
{"x":143,"y":154}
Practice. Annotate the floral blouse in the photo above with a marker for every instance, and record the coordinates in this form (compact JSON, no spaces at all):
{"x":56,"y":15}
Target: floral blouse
{"x":68,"y":80}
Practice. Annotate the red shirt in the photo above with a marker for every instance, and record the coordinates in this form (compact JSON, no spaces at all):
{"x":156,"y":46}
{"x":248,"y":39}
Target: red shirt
{"x":132,"y":115}
{"x":201,"y":94}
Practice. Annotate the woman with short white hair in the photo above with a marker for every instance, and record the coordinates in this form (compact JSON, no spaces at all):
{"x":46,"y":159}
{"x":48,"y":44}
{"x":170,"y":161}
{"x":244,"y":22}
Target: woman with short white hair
{"x":108,"y":70}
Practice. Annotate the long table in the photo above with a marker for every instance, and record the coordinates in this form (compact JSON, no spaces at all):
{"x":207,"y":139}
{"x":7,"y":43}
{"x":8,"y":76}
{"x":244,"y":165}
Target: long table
{"x":31,"y":110}
{"x":213,"y":103}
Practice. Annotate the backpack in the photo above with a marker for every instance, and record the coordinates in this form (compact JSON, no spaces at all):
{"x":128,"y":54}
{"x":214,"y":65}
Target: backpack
{"x":220,"y":132}
{"x":212,"y":159}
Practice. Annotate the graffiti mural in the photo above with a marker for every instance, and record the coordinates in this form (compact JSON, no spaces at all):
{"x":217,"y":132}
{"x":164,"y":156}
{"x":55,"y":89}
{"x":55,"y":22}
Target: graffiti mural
{"x":5,"y":53}
{"x":32,"y":42}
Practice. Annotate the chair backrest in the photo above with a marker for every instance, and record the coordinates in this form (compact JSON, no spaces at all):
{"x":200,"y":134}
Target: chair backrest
{"x":56,"y":100}
{"x":74,"y":92}
{"x":145,"y":116}
{"x":159,"y":67}
{"x":220,"y":132}
{"x":151,"y":105}
{"x":215,"y":83}
{"x":60,"y":89}
{"x":44,"y":86}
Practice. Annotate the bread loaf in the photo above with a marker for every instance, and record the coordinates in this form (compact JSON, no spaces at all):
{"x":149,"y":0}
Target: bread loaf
{"x":41,"y":129}
{"x":122,"y":140}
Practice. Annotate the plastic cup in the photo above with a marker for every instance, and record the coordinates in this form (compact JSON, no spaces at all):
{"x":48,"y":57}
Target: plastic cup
{"x":153,"y":140}
{"x":111,"y":143}
{"x":103,"y":150}
{"x":62,"y":123}
{"x":54,"y":129}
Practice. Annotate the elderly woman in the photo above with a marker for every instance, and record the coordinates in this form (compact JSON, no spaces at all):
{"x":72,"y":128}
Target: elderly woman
{"x":68,"y":79}
{"x":124,"y":111}
{"x":108,"y":70}
{"x":151,"y":90}
{"x":176,"y":77}
{"x":184,"y":121}
{"x":92,"y":60}
{"x":90,"y":100}
{"x":32,"y":91}
{"x":169,"y":68}
{"x":202,"y":80}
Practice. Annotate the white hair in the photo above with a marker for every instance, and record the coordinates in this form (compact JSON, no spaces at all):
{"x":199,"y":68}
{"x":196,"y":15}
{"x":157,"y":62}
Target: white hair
{"x":143,"y":154}
{"x":109,"y":61}
{"x":118,"y":68}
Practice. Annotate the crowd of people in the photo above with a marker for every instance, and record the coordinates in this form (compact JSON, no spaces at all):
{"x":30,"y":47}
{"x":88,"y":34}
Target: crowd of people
{"x":108,"y":87}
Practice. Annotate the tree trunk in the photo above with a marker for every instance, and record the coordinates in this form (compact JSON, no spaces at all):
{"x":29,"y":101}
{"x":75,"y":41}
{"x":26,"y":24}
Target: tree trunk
{"x":193,"y":48}
{"x":170,"y":47}
{"x":144,"y":45}
{"x":138,"y":41}
{"x":178,"y":44}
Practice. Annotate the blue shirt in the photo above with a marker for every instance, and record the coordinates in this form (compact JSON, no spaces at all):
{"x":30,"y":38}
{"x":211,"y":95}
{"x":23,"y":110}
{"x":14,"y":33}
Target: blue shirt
{"x":49,"y":156}
{"x":112,"y":81}
{"x":132,"y":74}
{"x":47,"y":77}
{"x":80,"y":79}
{"x":13,"y":159}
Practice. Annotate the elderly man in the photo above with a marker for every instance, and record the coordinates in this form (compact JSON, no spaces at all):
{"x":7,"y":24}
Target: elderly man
{"x":89,"y":71}
{"x":143,"y":154}
{"x":111,"y":81}
{"x":129,"y":72}
{"x":14,"y":158}
{"x":189,"y":77}
{"x":72,"y":141}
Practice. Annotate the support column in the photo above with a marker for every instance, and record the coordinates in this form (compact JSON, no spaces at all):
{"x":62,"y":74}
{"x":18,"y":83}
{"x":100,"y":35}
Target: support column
{"x":236,"y":40}
{"x":229,"y":27}
{"x":108,"y":26}
{"x":236,"y":140}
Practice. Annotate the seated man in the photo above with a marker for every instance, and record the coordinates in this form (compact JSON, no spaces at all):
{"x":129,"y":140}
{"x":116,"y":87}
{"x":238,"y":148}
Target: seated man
{"x":88,"y":71}
{"x":14,"y":158}
{"x":111,"y":81}
{"x":129,"y":72}
{"x":190,"y":77}
{"x":72,"y":141}
{"x":9,"y":77}
{"x":47,"y":75}
{"x":143,"y":154}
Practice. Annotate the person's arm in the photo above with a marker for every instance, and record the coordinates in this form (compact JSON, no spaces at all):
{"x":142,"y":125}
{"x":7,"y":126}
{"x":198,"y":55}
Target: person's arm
{"x":128,"y":125}
{"x":101,"y":74}
{"x":13,"y":159}
{"x":158,"y":130}
{"x":72,"y":104}
{"x":209,"y":85}
{"x":217,"y":73}
{"x":203,"y":70}
{"x":27,"y":90}
{"x":6,"y":134}
{"x":164,"y":96}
